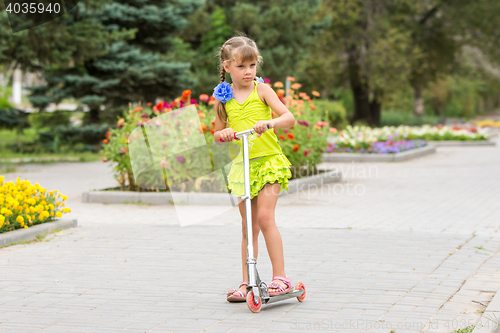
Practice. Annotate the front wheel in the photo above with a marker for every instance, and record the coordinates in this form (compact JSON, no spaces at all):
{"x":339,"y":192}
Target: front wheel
{"x":254,"y":307}
{"x":300,"y":286}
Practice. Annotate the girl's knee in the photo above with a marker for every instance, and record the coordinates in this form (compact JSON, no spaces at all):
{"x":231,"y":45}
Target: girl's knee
{"x":266,"y":222}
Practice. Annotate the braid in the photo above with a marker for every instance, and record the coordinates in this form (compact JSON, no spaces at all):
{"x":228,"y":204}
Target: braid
{"x":222,"y":74}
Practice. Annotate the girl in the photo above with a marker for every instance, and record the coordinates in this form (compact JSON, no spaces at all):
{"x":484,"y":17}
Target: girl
{"x":246,"y":104}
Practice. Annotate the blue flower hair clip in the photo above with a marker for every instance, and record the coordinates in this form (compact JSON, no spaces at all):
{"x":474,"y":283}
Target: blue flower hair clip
{"x":259,"y":79}
{"x":223,"y":92}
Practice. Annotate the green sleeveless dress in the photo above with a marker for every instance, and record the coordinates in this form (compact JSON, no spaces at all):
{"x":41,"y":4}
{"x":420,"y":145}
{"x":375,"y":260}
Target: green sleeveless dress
{"x":268,"y":164}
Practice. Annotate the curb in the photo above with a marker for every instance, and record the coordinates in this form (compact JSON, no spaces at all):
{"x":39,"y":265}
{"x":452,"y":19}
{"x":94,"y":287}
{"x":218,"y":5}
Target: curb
{"x":40,"y":159}
{"x":452,"y":143}
{"x":21,"y":235}
{"x":212,"y":199}
{"x":360,"y":157}
{"x":491,"y":313}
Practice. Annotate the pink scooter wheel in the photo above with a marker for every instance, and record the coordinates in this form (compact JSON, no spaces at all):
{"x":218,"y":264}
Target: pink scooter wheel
{"x":254,"y":307}
{"x":300,"y":286}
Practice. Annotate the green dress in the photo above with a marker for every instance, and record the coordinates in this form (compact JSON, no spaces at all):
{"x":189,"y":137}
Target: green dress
{"x":268,"y":164}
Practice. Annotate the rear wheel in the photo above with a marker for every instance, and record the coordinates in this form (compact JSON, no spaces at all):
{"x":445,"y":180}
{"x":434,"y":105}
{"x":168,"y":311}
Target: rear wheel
{"x":254,"y":307}
{"x":300,"y":286}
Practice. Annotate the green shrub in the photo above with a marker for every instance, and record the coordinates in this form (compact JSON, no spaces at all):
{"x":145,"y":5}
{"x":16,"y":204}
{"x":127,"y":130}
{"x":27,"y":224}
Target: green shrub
{"x":334,"y":111}
{"x":65,"y":139}
{"x":394,"y":118}
{"x":49,"y":119}
{"x":12,"y":118}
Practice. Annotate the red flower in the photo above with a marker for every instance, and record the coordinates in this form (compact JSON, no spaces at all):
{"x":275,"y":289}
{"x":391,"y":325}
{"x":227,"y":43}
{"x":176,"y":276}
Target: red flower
{"x":105,"y":141}
{"x":212,"y":131}
{"x":107,"y":134}
{"x":160,"y":105}
{"x":295,"y":147}
{"x":281,"y":137}
{"x":186,"y":93}
{"x":290,"y":135}
{"x":306,"y":153}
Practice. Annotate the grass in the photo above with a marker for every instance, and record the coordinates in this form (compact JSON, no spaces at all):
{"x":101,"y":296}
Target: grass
{"x":467,"y":329}
{"x":9,"y":160}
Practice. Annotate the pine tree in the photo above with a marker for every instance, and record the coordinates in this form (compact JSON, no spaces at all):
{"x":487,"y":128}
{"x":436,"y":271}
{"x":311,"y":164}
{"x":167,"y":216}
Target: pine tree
{"x":132,"y":69}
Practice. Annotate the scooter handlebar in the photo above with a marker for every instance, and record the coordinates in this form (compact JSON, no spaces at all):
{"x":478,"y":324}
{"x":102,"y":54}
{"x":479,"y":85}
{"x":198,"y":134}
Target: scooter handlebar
{"x":240,"y":134}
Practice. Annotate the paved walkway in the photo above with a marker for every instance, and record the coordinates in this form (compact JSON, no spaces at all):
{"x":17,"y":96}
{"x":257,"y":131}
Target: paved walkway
{"x":406,"y":246}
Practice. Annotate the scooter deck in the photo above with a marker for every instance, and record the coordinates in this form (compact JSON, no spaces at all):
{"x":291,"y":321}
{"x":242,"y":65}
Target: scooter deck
{"x":278,"y":298}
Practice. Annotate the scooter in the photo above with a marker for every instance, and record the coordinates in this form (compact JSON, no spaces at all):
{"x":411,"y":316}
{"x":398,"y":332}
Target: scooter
{"x":257,"y":293}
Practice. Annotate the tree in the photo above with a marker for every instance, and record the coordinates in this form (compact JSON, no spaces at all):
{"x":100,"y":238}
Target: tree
{"x":131,"y":69}
{"x":371,"y":42}
{"x":441,"y":30}
{"x":62,"y":42}
{"x":282,"y":29}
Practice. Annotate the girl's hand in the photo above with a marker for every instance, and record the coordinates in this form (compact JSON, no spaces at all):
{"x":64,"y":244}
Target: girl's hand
{"x":261,"y":126}
{"x":227,"y":134}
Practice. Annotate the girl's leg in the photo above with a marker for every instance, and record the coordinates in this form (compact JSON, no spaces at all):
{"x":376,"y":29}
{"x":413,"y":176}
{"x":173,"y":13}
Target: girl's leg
{"x":256,"y":231}
{"x":268,"y":197}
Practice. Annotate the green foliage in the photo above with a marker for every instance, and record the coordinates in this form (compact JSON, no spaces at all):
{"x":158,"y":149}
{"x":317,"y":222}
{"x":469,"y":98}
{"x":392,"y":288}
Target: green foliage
{"x":334,"y":112}
{"x":49,"y":119}
{"x":65,"y":139}
{"x":218,"y":34}
{"x":394,"y":118}
{"x":4,"y":97}
{"x":131,"y":67}
{"x":13,"y":118}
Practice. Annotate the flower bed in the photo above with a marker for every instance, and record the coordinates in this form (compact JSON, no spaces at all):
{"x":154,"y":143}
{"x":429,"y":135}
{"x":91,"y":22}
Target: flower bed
{"x":24,"y":205}
{"x":382,"y":147}
{"x":487,"y":123}
{"x":390,"y":139}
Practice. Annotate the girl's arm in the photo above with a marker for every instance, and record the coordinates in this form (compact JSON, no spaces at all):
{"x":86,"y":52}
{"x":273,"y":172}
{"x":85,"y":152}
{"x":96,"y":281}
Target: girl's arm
{"x":221,"y":126}
{"x":286,"y":118}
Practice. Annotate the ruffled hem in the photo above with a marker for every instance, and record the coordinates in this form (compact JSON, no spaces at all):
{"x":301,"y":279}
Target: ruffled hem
{"x":267,"y":169}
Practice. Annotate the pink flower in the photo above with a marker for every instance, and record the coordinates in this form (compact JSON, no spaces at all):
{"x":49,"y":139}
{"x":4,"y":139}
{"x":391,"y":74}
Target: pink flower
{"x":193,"y":101}
{"x":267,"y":80}
{"x":306,"y":153}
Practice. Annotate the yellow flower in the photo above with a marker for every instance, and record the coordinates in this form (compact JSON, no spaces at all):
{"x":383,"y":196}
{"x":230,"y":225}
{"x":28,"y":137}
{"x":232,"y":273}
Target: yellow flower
{"x":51,"y":213}
{"x":51,"y":206}
{"x":66,"y":210}
{"x":20,"y":219}
{"x":58,"y":214}
{"x":1,"y":179}
{"x":65,"y":197}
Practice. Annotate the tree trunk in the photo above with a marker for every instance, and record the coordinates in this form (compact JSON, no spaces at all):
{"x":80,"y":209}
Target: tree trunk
{"x":375,"y":108}
{"x":94,"y":115}
{"x":418,"y":102}
{"x":359,"y":88}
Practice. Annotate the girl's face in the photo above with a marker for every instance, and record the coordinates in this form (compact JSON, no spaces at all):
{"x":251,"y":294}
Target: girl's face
{"x":242,"y":73}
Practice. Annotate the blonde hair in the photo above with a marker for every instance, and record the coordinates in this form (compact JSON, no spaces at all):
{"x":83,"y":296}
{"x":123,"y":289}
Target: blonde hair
{"x":238,"y":48}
